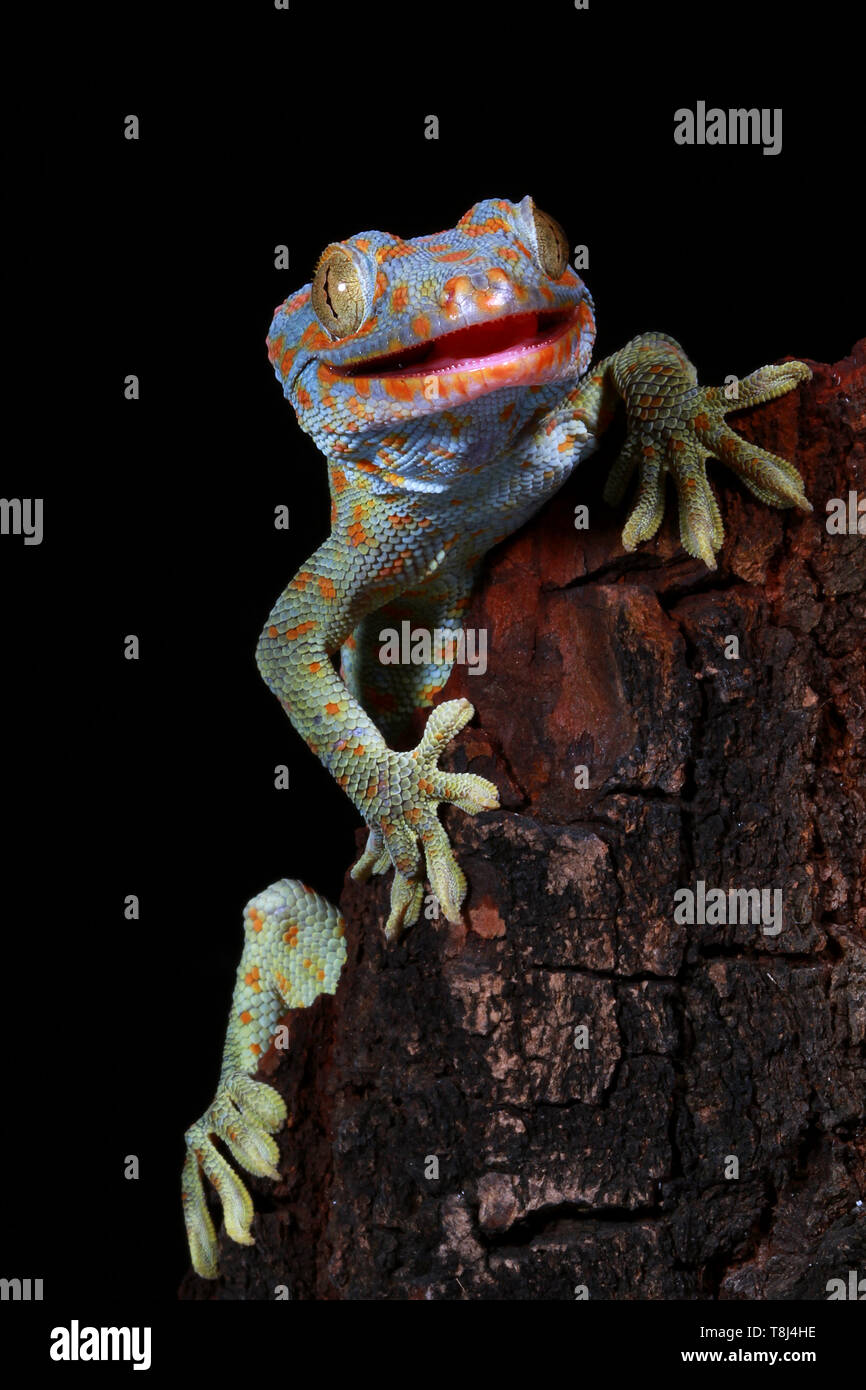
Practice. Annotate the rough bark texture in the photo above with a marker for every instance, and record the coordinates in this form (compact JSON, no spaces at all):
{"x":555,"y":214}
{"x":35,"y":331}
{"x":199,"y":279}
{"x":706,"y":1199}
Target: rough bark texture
{"x":606,"y":1166}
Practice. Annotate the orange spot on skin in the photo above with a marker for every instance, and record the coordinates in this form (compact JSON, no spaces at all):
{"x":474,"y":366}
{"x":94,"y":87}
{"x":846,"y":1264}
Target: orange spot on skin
{"x":293,"y":633}
{"x":490,"y":224}
{"x":332,"y":708}
{"x":255,"y":1049}
{"x":326,"y":587}
{"x":454,"y":293}
{"x":399,"y":389}
{"x":246,"y":1017}
{"x":314,"y":666}
{"x":297,"y":301}
{"x":320,"y":974}
{"x":313,"y":336}
{"x":394,"y":251}
{"x":399,"y":298}
{"x":272,"y":632}
{"x":421,"y":326}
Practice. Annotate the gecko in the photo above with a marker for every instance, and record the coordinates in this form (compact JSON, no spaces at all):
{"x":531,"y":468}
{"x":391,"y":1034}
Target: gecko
{"x":448,"y":381}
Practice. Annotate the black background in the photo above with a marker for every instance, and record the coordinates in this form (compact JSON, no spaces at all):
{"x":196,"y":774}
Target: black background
{"x":156,"y":257}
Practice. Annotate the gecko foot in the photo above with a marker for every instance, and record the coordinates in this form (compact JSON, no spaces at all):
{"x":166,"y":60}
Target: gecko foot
{"x":243,"y":1116}
{"x":675,"y":425}
{"x":408,"y":833}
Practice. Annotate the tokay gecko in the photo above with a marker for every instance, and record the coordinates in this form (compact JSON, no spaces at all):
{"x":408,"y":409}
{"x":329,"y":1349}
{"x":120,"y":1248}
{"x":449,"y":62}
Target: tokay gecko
{"x":447,"y":381}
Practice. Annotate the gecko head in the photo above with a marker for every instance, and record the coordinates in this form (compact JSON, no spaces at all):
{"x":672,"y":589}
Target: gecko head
{"x":392,"y":332}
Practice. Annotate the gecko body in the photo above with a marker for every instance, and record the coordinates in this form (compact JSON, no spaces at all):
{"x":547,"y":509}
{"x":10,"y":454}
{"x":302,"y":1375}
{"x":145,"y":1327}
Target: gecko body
{"x":447,"y":381}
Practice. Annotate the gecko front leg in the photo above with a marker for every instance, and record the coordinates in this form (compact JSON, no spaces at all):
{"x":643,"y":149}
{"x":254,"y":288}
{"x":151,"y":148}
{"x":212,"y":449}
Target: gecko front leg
{"x":397,"y":793}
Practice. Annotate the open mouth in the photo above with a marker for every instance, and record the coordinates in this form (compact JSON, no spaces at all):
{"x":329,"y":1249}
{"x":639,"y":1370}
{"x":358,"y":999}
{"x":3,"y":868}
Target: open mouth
{"x":467,"y":349}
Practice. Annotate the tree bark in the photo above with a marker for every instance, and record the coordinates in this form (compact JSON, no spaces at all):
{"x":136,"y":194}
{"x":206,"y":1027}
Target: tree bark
{"x":708,"y":1141}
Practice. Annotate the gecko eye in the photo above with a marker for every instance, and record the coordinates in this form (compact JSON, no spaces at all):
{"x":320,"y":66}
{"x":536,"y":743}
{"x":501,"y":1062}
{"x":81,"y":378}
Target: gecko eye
{"x":551,"y":246}
{"x":339,"y":302}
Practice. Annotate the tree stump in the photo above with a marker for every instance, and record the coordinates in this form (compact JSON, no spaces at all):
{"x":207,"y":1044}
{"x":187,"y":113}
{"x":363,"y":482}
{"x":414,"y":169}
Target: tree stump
{"x":577,"y":1087}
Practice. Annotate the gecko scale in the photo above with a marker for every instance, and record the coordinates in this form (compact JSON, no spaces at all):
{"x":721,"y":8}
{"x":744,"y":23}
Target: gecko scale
{"x":447,"y":381}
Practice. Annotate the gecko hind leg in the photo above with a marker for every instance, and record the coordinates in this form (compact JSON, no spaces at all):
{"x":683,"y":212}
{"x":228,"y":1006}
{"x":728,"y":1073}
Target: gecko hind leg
{"x":294,"y":950}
